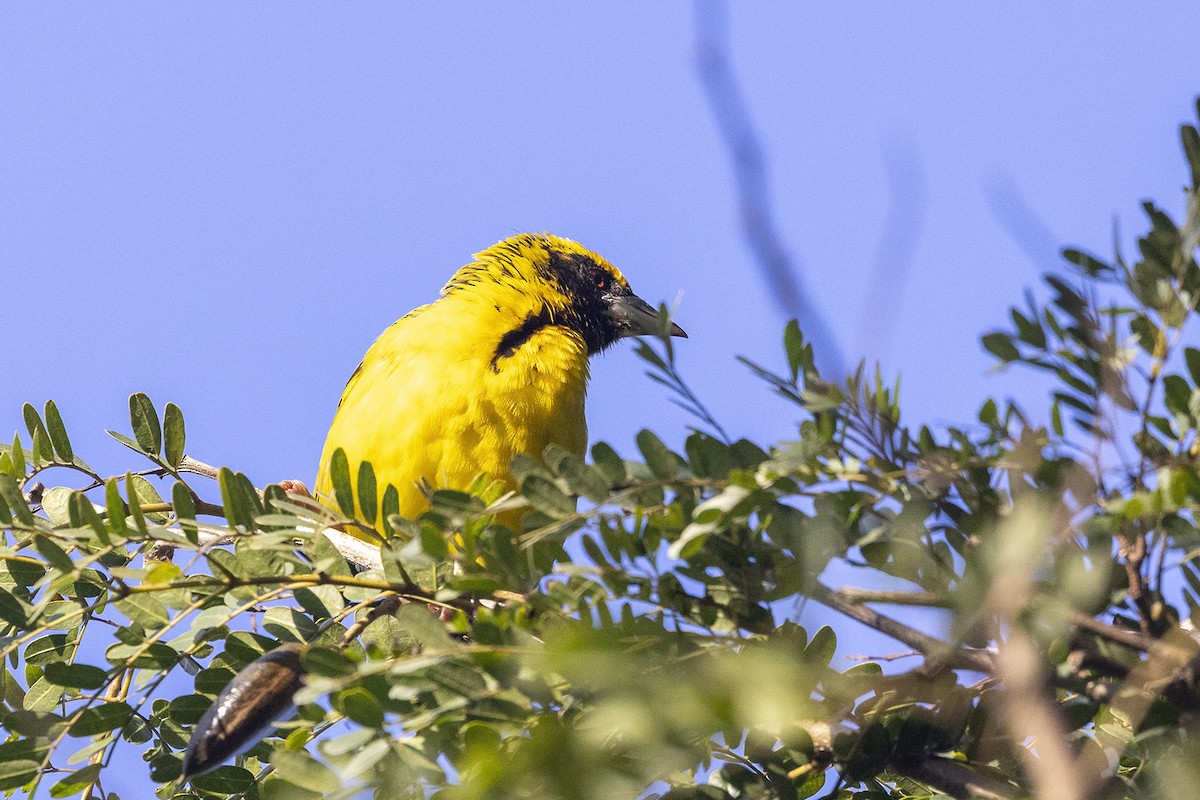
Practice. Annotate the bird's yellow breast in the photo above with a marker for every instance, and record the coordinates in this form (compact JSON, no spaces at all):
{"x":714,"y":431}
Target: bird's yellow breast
{"x":438,"y":400}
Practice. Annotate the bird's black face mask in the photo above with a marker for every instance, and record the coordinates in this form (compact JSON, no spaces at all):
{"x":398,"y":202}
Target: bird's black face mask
{"x":602,"y":308}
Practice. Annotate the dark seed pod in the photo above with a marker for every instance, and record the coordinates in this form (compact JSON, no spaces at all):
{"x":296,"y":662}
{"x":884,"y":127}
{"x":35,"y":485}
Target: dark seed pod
{"x":257,"y":696}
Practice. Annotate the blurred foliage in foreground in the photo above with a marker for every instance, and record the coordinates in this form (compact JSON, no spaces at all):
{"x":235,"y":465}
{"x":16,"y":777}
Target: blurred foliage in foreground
{"x":647,"y":644}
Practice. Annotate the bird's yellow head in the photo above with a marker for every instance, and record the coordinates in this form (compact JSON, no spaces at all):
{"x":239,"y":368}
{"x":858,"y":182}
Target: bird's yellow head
{"x":555,"y":281}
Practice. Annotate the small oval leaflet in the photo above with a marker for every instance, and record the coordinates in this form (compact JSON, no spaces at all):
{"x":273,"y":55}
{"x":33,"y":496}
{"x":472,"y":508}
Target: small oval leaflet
{"x":257,"y":696}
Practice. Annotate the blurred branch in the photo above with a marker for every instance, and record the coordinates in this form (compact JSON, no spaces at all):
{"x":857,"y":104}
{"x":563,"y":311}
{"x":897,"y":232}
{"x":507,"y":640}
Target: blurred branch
{"x":750,"y":176}
{"x":1031,"y":712}
{"x":908,"y":200}
{"x":957,"y":779}
{"x":1020,"y":221}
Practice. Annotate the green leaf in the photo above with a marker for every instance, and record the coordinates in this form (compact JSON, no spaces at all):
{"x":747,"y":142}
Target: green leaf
{"x":239,"y":511}
{"x":37,"y":433}
{"x":1001,"y":346}
{"x":77,"y":782}
{"x":144,"y":419}
{"x":366,"y":758}
{"x":146,"y":495}
{"x":33,"y":724}
{"x":17,"y":453}
{"x":1192,"y":356}
{"x":75,"y":676}
{"x":174,"y":435}
{"x":361,"y":706}
{"x":433,"y":542}
{"x":84,"y":515}
{"x":102,"y":718}
{"x":1191,"y":149}
{"x":55,"y":502}
{"x":423,"y":629}
{"x":49,"y":649}
{"x":135,"y":506}
{"x":524,"y":465}
{"x":646,"y":353}
{"x":987,"y":413}
{"x":12,"y":496}
{"x":125,"y":440}
{"x":54,"y":555}
{"x":144,"y":609}
{"x":708,"y":457}
{"x":43,"y":453}
{"x":545,"y":496}
{"x":821,"y":647}
{"x":188,"y":709}
{"x":1028,"y":330}
{"x":610,"y":465}
{"x":289,"y":624}
{"x":250,"y":495}
{"x":242,"y":647}
{"x":339,"y":475}
{"x":226,"y":780}
{"x":1090,"y":265}
{"x":210,"y":682}
{"x":328,"y":662}
{"x":58,"y":432}
{"x":185,"y":510}
{"x":799,"y":354}
{"x":390,"y":506}
{"x":114,"y":507}
{"x":13,"y":610}
{"x":300,"y":769}
{"x":43,"y":696}
{"x":368,"y":504}
{"x":661,"y":461}
{"x":154,"y":656}
{"x":164,"y":768}
{"x":1176,"y":394}
{"x":17,"y":772}
{"x":581,"y":479}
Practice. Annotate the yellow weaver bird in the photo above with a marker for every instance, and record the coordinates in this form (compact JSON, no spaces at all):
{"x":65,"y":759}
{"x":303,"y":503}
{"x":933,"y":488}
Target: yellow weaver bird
{"x":497,"y":366}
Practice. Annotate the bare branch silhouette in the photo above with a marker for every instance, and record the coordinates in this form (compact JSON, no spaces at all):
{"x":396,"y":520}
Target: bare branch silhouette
{"x":750,"y":176}
{"x":1020,"y":221}
{"x":908,"y":202}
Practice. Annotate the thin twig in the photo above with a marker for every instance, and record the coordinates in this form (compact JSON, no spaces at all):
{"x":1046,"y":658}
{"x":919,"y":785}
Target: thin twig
{"x":887,"y":657}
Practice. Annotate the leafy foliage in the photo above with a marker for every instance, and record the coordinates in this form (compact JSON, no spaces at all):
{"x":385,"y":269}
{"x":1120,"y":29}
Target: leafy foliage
{"x":639,"y":634}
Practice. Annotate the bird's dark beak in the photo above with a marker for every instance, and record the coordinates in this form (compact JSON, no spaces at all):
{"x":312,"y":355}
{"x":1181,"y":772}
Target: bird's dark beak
{"x":633,"y":316}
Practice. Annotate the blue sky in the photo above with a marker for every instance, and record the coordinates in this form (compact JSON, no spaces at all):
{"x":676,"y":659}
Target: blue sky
{"x":222,"y":205}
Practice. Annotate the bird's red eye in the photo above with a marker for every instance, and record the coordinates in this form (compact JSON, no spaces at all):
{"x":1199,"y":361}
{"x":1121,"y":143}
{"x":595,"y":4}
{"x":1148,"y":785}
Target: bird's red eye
{"x":600,"y":279}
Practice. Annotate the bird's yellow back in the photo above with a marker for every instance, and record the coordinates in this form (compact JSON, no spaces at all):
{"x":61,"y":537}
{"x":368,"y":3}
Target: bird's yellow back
{"x":495,"y":367}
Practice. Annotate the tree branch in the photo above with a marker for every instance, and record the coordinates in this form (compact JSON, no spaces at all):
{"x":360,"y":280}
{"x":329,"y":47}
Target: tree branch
{"x":750,"y":176}
{"x":952,"y":656}
{"x":931,"y":599}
